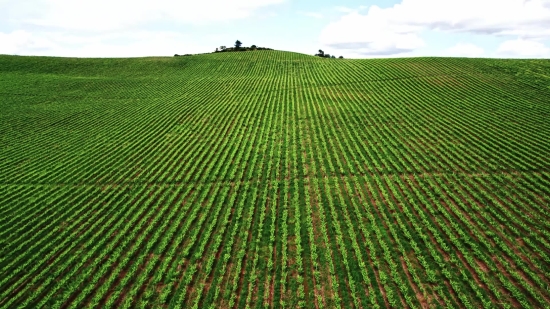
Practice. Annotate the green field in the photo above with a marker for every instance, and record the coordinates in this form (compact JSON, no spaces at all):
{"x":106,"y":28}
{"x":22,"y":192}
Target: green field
{"x":273,"y":179}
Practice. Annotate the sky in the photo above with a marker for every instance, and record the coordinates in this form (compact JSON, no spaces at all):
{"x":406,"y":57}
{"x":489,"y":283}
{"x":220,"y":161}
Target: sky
{"x":349,"y":28}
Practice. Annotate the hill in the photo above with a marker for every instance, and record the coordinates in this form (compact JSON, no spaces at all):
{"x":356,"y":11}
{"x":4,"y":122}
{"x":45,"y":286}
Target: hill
{"x":275,"y":179}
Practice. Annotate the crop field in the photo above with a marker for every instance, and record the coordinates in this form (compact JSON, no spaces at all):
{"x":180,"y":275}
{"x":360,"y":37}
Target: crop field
{"x":273,"y":179}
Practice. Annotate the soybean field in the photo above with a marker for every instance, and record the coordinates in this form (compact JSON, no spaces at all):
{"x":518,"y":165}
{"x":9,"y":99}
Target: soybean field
{"x":271,"y":179}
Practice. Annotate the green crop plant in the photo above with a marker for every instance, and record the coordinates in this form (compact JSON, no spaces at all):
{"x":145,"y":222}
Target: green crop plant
{"x":270,"y":179}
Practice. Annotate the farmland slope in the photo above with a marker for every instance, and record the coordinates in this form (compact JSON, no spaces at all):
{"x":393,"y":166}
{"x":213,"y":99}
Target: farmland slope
{"x":274,"y":179}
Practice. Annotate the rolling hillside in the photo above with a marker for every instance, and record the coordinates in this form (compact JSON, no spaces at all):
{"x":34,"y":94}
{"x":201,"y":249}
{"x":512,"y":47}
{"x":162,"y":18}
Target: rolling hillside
{"x":272,"y":179}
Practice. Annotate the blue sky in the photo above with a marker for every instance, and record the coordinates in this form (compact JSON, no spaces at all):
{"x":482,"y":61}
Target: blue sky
{"x":351,"y":28}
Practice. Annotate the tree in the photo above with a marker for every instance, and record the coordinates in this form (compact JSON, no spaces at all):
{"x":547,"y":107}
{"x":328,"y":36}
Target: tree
{"x":341,"y":57}
{"x":253,"y":47}
{"x":321,"y":53}
{"x":333,"y":56}
{"x":238,"y":44}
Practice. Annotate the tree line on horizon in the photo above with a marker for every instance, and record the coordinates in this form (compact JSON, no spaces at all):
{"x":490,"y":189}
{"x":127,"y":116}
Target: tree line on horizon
{"x":323,"y":55}
{"x":238,"y":47}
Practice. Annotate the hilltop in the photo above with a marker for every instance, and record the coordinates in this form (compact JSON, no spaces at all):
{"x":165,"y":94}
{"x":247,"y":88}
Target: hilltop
{"x":274,"y":178}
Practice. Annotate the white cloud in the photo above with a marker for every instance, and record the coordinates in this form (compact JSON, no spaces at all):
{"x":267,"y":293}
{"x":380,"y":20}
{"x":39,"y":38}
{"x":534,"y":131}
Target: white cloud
{"x":499,"y":17}
{"x":18,"y":41}
{"x":370,"y":36}
{"x":11,"y":42}
{"x":119,"y":44}
{"x":104,"y":15}
{"x":521,"y":48}
{"x":116,"y":28}
{"x":402,"y":23}
{"x":464,"y":50}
